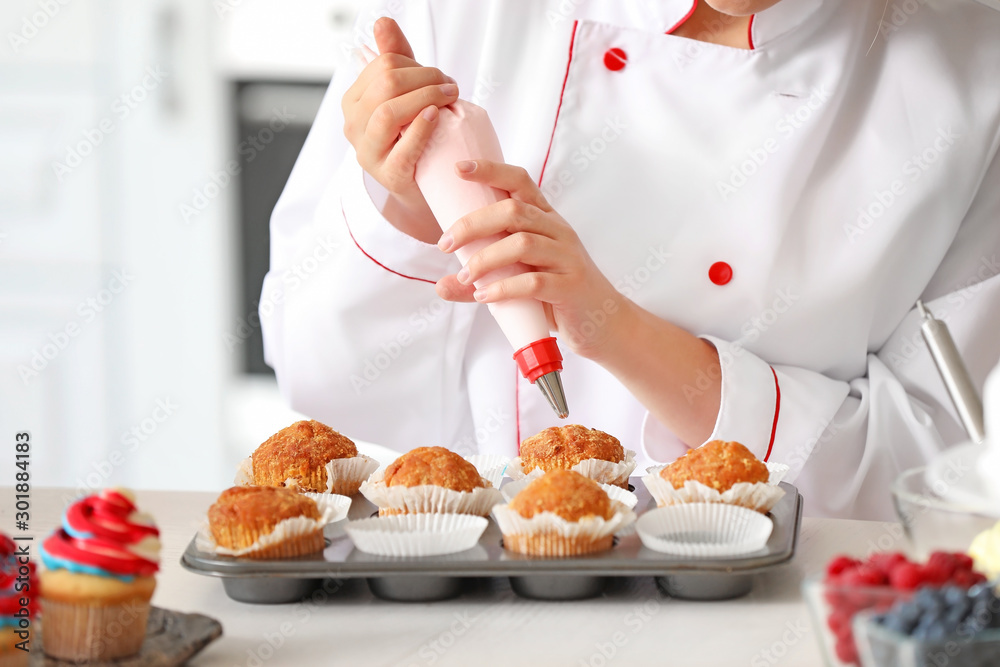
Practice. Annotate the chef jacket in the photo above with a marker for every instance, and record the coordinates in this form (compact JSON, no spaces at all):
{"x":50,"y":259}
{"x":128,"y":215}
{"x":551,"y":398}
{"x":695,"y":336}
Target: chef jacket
{"x":788,"y":203}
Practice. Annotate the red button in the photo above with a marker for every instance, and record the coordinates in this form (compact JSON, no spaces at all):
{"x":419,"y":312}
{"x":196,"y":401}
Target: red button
{"x":720,"y":273}
{"x":615,"y":59}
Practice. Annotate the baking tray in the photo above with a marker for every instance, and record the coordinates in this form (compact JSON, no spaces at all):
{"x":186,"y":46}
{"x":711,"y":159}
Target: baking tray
{"x":442,"y":577}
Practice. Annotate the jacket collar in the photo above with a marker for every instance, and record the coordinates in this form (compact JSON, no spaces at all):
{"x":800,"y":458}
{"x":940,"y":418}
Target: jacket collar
{"x":767,"y":25}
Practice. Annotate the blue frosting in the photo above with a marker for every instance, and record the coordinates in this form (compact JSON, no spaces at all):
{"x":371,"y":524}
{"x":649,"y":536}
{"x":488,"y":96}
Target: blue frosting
{"x":55,"y":563}
{"x":9,"y":621}
{"x":78,"y":534}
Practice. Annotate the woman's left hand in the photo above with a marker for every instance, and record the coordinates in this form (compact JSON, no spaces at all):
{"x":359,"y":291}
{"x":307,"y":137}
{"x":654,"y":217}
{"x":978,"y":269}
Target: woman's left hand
{"x":580,"y":301}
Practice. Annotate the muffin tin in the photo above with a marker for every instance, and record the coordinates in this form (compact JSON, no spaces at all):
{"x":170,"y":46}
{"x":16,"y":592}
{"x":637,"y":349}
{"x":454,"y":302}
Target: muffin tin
{"x":442,"y":577}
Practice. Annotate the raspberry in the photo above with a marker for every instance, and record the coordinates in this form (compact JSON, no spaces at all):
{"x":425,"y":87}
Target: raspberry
{"x":943,"y":562}
{"x":936,"y":574}
{"x":963,"y":561}
{"x":886,"y":562}
{"x":840,"y":564}
{"x":966,"y":578}
{"x":865,"y":575}
{"x":839,"y":620}
{"x":847,"y":651}
{"x":906,"y":577}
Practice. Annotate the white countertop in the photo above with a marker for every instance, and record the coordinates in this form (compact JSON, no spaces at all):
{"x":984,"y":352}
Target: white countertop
{"x":632,"y":622}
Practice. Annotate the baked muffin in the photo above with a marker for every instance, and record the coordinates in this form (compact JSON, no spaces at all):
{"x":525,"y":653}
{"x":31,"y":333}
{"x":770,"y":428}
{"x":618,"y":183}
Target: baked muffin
{"x":311,"y":457}
{"x":717,"y":472}
{"x":99,"y":579}
{"x":562,"y":447}
{"x":12,"y":591}
{"x":430,"y":480}
{"x":586,"y":450}
{"x":561,"y":513}
{"x":718,"y":465}
{"x":565,"y":493}
{"x":244,"y":515}
{"x":433,"y":465}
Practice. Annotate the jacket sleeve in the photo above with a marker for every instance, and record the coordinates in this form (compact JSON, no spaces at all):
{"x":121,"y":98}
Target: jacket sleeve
{"x":846,"y":441}
{"x":349,"y":315}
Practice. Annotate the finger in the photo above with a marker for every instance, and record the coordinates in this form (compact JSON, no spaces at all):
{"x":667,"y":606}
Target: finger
{"x":449,"y":289}
{"x":509,"y":215}
{"x":390,"y":38}
{"x":396,"y":82}
{"x":384,"y":63}
{"x":531,"y":249}
{"x":514,"y":180}
{"x":533,"y":284}
{"x":402,"y":158}
{"x":390,"y":117}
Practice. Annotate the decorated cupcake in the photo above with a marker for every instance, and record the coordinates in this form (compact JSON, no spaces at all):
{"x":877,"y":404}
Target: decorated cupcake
{"x":16,"y":618}
{"x":717,"y":472}
{"x":561,"y":513}
{"x":308,"y":456}
{"x":430,"y":480}
{"x":264,"y":522}
{"x":99,"y":579}
{"x":592,"y":453}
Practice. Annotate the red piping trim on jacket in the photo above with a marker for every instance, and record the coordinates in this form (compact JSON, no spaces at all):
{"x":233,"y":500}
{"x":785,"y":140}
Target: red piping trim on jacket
{"x":750,"y":31}
{"x":677,"y":25}
{"x":777,"y":409}
{"x":401,"y":275}
{"x":562,"y":92}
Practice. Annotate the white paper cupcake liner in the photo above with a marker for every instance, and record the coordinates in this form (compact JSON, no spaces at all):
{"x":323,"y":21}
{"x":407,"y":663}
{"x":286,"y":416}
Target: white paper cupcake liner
{"x":759,"y":496}
{"x":342,"y":475}
{"x":700,"y":530}
{"x":605,"y":472}
{"x":490,"y":466}
{"x":330,"y":506}
{"x":415,"y":535}
{"x":624,"y":496}
{"x":427,"y":498}
{"x":586,"y":529}
{"x":776,"y":471}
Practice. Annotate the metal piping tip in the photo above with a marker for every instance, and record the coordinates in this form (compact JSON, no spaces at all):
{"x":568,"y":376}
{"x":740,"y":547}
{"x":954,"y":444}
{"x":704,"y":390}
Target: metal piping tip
{"x":551,"y":386}
{"x":924,"y":310}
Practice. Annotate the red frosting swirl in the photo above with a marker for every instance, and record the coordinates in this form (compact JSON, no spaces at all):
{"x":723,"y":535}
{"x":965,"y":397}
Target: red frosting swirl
{"x":10,"y":597}
{"x":98,"y":533}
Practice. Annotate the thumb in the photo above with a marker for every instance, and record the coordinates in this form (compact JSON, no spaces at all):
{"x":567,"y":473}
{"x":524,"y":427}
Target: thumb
{"x":390,"y":38}
{"x":449,"y":289}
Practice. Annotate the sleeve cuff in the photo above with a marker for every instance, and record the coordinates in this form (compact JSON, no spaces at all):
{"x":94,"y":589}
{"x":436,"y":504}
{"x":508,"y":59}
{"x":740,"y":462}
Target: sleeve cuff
{"x":750,"y":406}
{"x":378,"y":239}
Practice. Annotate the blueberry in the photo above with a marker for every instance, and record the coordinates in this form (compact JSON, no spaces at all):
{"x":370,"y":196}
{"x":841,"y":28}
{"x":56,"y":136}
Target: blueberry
{"x":953,"y":595}
{"x":898,"y":624}
{"x":922,"y":629}
{"x":926,"y":598}
{"x":911,"y":613}
{"x":959,"y":610}
{"x":984,"y":593}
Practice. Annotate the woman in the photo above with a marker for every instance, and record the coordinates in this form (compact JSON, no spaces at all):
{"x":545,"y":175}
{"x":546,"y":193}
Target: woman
{"x":730,"y":206}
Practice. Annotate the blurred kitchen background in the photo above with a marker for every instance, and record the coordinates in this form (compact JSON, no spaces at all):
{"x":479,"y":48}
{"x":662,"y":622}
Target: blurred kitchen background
{"x":131,"y":257}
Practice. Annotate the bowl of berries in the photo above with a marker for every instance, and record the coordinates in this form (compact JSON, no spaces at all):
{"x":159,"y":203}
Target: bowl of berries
{"x":931,"y":521}
{"x":875,"y":585}
{"x":938,"y":627}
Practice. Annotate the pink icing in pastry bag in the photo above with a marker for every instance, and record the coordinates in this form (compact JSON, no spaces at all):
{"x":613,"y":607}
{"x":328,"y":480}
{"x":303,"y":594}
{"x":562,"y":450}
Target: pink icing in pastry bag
{"x":464,"y":132}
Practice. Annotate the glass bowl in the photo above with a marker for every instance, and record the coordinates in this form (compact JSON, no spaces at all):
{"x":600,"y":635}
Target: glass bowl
{"x":931,"y":522}
{"x":881,"y":647}
{"x":833,"y":608}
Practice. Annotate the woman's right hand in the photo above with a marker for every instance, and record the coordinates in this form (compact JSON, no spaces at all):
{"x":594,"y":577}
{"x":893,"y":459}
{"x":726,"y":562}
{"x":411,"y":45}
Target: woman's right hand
{"x":394,"y":91}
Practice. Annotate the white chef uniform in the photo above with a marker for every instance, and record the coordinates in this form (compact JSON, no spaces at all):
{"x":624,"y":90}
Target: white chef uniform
{"x":788,"y":203}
